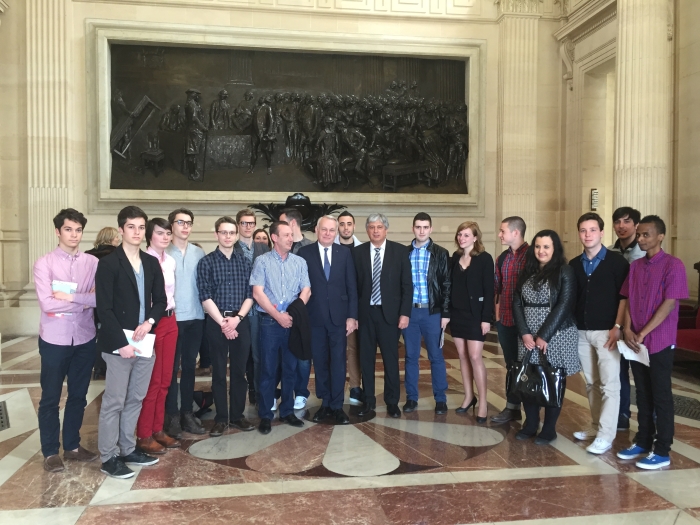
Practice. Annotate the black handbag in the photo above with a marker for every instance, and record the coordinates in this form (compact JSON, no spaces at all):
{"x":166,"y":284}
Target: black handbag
{"x":541,"y":385}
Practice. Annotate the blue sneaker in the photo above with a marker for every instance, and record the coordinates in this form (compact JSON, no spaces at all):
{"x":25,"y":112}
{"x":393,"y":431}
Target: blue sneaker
{"x":632,"y":452}
{"x":652,"y":461}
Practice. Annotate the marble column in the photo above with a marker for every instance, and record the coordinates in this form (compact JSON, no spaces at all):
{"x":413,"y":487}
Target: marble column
{"x":642,"y":176}
{"x":4,"y":298}
{"x":517,"y":111}
{"x":48,"y":144}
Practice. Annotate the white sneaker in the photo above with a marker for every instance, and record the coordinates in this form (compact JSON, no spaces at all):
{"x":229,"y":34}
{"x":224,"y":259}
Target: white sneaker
{"x":599,"y":446}
{"x":274,"y":406}
{"x":299,"y":402}
{"x":588,"y":433}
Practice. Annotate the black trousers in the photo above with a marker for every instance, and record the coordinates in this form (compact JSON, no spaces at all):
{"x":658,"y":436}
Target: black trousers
{"x":328,"y":344}
{"x":532,"y":420}
{"x":374,"y":330}
{"x":653,"y":384}
{"x":189,"y":340}
{"x":236,"y":351}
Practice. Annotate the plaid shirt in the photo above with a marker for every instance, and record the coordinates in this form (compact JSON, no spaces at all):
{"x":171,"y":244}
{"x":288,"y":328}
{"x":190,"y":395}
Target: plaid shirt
{"x":223,"y":280}
{"x":420,"y":259}
{"x":505,"y":278}
{"x":650,"y":282}
{"x":282,"y":279}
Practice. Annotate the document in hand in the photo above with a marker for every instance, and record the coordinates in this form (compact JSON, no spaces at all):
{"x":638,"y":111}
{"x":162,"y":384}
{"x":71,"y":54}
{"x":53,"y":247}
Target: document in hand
{"x":631,"y":355}
{"x":144,"y":347}
{"x":64,"y":286}
{"x":442,"y":338}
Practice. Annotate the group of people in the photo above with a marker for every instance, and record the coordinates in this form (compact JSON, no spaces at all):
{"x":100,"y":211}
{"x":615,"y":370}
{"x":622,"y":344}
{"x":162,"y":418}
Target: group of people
{"x":290,"y":302}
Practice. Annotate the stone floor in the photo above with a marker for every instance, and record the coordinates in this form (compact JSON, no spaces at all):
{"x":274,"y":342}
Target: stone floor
{"x":419,"y":469}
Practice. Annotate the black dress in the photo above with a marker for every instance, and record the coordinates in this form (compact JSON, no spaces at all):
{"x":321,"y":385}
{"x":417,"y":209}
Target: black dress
{"x":463,"y":324}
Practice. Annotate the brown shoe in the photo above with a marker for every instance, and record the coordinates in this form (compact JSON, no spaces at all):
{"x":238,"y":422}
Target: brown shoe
{"x":165,"y":440}
{"x":150,"y":446}
{"x":242,"y":424}
{"x":53,"y":463}
{"x":79,"y":455}
{"x":202,"y":372}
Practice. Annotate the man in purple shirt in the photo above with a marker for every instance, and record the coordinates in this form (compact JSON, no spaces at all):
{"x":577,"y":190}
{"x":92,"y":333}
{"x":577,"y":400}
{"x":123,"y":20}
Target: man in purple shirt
{"x":65,"y":288}
{"x":654,"y":285}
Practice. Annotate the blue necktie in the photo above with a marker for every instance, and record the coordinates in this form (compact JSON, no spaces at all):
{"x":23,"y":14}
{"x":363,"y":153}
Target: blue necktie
{"x":326,"y":264}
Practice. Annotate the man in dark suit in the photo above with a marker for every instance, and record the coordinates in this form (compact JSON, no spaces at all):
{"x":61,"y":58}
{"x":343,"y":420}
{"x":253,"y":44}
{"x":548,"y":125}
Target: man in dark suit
{"x":333,"y":314}
{"x":130,"y":295}
{"x":385,"y":290}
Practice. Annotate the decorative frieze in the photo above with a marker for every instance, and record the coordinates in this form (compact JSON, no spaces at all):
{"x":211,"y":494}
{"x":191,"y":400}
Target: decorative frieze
{"x":518,"y":6}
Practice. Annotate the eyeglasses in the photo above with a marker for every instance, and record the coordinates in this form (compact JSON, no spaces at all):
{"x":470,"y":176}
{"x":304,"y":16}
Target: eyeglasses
{"x":226,"y":233}
{"x":249,"y":224}
{"x":183,"y":223}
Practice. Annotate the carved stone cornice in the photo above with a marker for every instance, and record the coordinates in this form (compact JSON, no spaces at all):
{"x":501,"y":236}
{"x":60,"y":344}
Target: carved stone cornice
{"x":588,"y":19}
{"x":531,"y":7}
{"x":567,"y":51}
{"x":4,"y":6}
{"x":564,"y":6}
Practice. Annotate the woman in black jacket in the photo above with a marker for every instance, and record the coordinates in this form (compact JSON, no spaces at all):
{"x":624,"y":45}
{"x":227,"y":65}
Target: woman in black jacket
{"x":543,"y":307}
{"x":471,"y":310}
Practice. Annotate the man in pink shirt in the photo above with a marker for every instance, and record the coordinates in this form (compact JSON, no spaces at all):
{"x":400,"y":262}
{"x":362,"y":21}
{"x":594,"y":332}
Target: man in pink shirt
{"x":65,"y":287}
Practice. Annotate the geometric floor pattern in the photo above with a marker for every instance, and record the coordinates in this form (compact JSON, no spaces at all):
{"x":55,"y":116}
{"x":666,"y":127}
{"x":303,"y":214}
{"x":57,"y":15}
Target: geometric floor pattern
{"x":419,"y":469}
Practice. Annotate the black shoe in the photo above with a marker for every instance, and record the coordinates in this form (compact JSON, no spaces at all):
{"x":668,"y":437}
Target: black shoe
{"x":623,"y":422}
{"x":540,"y":440}
{"x":507,"y":414}
{"x":139,"y":459}
{"x":341,"y":418}
{"x":189,"y":424}
{"x":115,"y":468}
{"x":265,"y":426}
{"x":366,"y":410}
{"x":321,"y":414}
{"x":440,"y":408}
{"x":480,"y":420}
{"x":218,"y":429}
{"x":242,"y":424}
{"x":292,"y":420}
{"x":472,"y":405}
{"x":393,"y":410}
{"x":172,"y":426}
{"x":410,"y":406}
{"x":357,"y":397}
{"x":524,"y":434}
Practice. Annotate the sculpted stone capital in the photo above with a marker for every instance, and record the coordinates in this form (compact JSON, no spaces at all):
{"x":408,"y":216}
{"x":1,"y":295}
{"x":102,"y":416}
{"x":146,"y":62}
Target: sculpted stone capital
{"x":518,"y":6}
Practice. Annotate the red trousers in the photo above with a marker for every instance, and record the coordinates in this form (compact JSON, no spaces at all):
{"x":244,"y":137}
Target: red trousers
{"x":153,"y":408}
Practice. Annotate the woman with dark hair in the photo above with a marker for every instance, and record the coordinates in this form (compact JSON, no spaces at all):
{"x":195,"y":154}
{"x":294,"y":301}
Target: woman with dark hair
{"x":471,"y":310}
{"x":543,"y":307}
{"x":149,"y":430}
{"x":262,"y":236}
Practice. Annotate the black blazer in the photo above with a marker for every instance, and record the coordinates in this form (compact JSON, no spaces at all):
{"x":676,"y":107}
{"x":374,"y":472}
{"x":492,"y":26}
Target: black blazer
{"x":396,"y":280}
{"x":479,"y":285}
{"x":335,"y":299}
{"x":116,"y":293}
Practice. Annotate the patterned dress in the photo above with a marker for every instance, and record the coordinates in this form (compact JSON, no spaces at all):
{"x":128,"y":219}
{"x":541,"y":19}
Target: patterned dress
{"x":562,"y":348}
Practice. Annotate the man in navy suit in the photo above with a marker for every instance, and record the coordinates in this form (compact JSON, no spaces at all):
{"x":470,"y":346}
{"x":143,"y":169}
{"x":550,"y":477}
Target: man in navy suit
{"x":333,"y":314}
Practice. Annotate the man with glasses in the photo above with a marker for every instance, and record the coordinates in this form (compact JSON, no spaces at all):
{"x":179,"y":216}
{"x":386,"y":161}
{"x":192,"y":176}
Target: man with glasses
{"x":251,"y":250}
{"x":223,"y":281}
{"x":190,"y":325}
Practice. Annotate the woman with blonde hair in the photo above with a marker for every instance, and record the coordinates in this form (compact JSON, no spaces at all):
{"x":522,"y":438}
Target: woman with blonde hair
{"x":471,"y":312}
{"x":105,"y":243}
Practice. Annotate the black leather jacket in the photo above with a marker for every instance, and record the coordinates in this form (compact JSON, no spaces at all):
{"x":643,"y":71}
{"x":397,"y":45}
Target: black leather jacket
{"x":439,"y":279}
{"x":562,"y":301}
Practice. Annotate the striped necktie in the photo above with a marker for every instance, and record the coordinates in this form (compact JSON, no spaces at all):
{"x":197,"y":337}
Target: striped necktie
{"x":376,"y":277}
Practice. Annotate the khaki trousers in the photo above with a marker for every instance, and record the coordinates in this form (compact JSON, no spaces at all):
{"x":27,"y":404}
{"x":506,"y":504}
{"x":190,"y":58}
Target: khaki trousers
{"x":601,"y":368}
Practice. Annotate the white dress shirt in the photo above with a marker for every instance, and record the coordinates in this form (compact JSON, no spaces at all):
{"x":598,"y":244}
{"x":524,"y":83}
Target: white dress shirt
{"x":372,"y":252}
{"x":322,"y":250}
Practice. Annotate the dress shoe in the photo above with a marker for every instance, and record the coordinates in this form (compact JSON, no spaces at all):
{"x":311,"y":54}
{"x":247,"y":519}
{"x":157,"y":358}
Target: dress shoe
{"x":189,"y":424}
{"x":393,"y":410}
{"x":218,"y":429}
{"x":172,"y":427}
{"x":356,"y":396}
{"x":523,"y":434}
{"x":410,"y":406}
{"x":150,"y":446}
{"x":544,"y":440}
{"x":341,"y":418}
{"x":242,"y":424}
{"x":79,"y":455}
{"x":366,"y":409}
{"x":321,"y":414}
{"x":265,"y":426}
{"x":472,"y":405}
{"x":480,"y":420}
{"x":507,"y":414}
{"x":292,"y":420}
{"x":53,"y":463}
{"x":440,"y":408}
{"x":165,"y":440}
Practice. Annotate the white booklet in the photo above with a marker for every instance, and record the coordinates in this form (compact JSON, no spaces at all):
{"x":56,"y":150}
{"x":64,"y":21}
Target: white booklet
{"x":144,"y":347}
{"x":631,"y":355}
{"x":442,"y":338}
{"x":64,"y":286}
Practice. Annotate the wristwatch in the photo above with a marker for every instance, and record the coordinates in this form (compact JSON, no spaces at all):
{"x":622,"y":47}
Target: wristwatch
{"x":151,"y":320}
{"x":618,"y":326}
{"x":240,"y":316}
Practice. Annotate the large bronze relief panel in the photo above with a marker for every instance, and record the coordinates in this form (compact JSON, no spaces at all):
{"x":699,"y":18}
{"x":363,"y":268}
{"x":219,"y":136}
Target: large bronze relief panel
{"x":247,"y":120}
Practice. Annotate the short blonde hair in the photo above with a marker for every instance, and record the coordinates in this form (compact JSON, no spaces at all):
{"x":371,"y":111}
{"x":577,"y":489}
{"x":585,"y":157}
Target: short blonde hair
{"x":476,"y":231}
{"x":106,"y":236}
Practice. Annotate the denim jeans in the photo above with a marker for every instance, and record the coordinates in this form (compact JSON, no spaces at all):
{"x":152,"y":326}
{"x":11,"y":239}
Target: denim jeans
{"x":428,"y":326}
{"x":189,"y":341}
{"x":301,"y":382}
{"x":274,"y":347}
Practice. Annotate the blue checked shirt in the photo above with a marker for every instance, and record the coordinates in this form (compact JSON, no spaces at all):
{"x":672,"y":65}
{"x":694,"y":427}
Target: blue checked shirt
{"x":420,"y":259}
{"x":282,"y":279}
{"x":225,"y":281}
{"x":589,"y":266}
